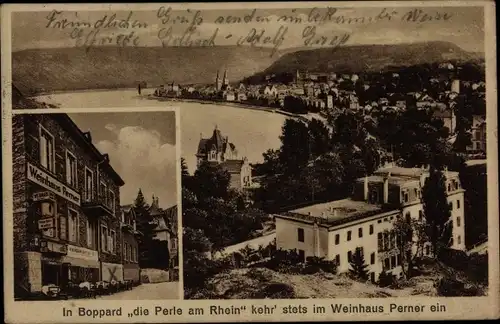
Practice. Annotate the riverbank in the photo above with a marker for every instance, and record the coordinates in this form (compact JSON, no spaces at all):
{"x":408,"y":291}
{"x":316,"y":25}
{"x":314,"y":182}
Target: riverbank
{"x":233,"y":104}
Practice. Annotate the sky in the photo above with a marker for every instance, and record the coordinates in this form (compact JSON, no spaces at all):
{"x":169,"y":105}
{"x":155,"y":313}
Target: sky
{"x":141,"y":148}
{"x":465,"y":26}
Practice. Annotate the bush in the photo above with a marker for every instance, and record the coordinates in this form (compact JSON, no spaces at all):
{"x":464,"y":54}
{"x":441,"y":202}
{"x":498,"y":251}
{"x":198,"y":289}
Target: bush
{"x":275,"y":290}
{"x":448,"y":287}
{"x":475,"y":265}
{"x":385,"y":279}
{"x":315,"y":264}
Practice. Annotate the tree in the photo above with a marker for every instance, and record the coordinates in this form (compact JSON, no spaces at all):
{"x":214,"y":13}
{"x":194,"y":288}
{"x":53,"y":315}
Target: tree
{"x":294,"y":152}
{"x":319,"y":137}
{"x":437,"y":211}
{"x":211,"y":181}
{"x":359,"y":268}
{"x":146,"y":226}
{"x":411,"y":237}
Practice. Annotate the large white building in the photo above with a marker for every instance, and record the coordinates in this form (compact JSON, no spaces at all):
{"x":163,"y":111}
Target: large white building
{"x":334,"y":230}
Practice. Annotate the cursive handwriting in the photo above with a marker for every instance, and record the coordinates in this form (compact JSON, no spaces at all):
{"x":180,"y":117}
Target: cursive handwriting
{"x":260,"y":37}
{"x":314,"y":27}
{"x":167,"y":38}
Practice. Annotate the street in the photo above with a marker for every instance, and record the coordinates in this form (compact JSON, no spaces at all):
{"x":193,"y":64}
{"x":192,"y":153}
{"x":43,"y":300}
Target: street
{"x":153,"y":291}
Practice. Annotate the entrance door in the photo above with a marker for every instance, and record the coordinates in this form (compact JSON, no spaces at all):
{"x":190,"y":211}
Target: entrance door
{"x":64,"y":275}
{"x":50,"y":273}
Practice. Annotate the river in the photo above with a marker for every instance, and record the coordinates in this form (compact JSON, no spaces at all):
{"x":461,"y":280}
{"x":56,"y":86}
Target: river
{"x":251,"y":131}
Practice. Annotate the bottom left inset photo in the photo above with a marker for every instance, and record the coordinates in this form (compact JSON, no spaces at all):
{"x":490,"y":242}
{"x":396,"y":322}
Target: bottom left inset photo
{"x":95,"y":209}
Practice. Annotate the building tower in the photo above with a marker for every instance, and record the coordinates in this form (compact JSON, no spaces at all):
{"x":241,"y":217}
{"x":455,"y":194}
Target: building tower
{"x":218,"y":84}
{"x":225,"y":81}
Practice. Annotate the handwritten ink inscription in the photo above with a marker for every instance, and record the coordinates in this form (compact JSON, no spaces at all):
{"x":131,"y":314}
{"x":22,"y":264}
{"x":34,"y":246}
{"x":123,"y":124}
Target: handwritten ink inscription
{"x":316,"y":27}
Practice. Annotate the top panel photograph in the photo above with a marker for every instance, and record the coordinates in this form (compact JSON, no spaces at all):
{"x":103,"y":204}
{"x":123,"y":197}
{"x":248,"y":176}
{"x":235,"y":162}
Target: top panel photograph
{"x":285,"y":60}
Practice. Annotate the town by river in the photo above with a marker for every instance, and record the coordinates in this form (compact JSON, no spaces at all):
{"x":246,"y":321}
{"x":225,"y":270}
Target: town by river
{"x":251,"y":131}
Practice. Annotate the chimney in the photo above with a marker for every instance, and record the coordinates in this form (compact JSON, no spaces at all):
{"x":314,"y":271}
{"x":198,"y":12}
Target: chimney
{"x":365,"y":189}
{"x":386,"y":188}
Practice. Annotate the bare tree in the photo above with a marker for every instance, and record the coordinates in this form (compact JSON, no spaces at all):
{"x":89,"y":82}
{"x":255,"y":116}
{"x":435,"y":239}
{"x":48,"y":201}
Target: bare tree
{"x":411,"y":237}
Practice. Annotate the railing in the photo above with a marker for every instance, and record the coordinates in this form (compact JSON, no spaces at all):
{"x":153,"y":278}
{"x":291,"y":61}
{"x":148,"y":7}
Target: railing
{"x":101,"y":200}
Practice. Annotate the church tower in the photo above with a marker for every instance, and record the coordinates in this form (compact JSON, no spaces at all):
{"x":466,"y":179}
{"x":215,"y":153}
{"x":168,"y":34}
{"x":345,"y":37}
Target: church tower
{"x":225,"y":80}
{"x":218,"y":84}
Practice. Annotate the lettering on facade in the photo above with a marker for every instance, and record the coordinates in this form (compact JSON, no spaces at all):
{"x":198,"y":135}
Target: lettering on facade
{"x":46,"y":223}
{"x":42,"y":196}
{"x":47,"y":181}
{"x":82,"y":253}
{"x":47,"y":246}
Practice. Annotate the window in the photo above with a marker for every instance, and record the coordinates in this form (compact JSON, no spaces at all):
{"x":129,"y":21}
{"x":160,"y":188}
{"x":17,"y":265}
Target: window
{"x":459,"y":240}
{"x":90,"y":234}
{"x":102,"y":191}
{"x":372,"y":258}
{"x":379,"y":221}
{"x":380,"y":241}
{"x":407,"y":216}
{"x":104,"y":238}
{"x":458,"y":221}
{"x":427,"y":250}
{"x":398,"y":260}
{"x":450,"y":205}
{"x":458,"y":204}
{"x":47,"y":153}
{"x":349,"y":235}
{"x":125,"y":244}
{"x":349,"y":256}
{"x":111,"y":202}
{"x":393,"y":261}
{"x":337,"y":239}
{"x":405,"y":197}
{"x":63,"y":228}
{"x":449,"y":187}
{"x":135,"y":254}
{"x":360,"y":232}
{"x":371,"y":229}
{"x":420,"y":215}
{"x":302,"y":255}
{"x":71,"y":169}
{"x":387,"y":264}
{"x":89,"y":180}
{"x":112,"y":242}
{"x":72,"y":225}
{"x":300,"y":234}
{"x":386,"y":241}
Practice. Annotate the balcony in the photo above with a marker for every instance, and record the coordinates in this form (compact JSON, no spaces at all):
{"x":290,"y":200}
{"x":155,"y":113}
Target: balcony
{"x":98,"y":206}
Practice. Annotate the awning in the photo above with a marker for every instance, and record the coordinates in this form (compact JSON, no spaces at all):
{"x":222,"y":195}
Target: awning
{"x":80,"y":262}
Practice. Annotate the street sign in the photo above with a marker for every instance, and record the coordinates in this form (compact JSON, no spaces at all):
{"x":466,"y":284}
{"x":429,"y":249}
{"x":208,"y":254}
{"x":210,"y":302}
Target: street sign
{"x":46,"y":223}
{"x":44,"y":195}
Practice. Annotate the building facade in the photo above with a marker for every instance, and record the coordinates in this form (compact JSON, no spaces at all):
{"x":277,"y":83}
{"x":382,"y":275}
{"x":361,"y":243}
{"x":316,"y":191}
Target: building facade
{"x":334,"y":230}
{"x":166,"y":229}
{"x":218,"y":150}
{"x":130,"y":247}
{"x":66,"y":205}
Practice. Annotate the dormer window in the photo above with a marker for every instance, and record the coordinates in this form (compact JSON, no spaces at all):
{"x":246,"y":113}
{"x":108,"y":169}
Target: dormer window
{"x":213,"y":155}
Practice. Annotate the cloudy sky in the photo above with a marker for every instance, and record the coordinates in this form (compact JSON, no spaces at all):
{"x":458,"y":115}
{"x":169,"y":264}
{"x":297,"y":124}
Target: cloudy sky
{"x":465,"y":26}
{"x":141,"y":148}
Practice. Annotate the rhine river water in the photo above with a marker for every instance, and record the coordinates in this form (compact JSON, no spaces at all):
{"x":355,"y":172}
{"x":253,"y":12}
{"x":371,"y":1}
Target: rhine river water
{"x":251,"y":131}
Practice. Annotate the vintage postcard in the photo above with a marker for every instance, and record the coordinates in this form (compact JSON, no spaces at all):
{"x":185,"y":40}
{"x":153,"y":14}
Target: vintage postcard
{"x":221,"y":162}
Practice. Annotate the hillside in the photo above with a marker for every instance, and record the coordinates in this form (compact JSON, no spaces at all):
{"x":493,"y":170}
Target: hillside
{"x":358,"y":58}
{"x":258,"y":283}
{"x":45,"y":70}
